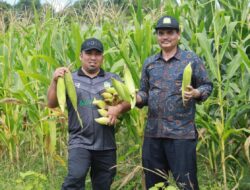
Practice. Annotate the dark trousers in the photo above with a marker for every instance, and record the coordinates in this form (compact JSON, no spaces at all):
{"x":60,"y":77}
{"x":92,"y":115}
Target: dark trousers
{"x":100,"y":162}
{"x":177,"y":156}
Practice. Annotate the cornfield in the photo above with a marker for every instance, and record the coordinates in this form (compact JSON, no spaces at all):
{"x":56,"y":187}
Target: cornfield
{"x":33,"y":138}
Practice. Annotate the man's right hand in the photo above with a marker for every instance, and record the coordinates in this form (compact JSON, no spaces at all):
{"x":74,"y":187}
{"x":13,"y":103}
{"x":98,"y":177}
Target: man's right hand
{"x":59,"y":72}
{"x":51,"y":95}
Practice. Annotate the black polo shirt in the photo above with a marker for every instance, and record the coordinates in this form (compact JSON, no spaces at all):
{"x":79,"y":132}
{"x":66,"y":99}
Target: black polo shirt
{"x":92,"y":136}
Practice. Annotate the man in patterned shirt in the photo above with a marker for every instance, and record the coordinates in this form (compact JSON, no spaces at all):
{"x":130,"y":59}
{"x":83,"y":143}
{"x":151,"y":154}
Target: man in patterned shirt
{"x":170,"y":135}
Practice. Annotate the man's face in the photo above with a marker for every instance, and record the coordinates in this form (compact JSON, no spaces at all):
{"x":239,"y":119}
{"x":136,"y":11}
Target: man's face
{"x":167,"y":38}
{"x":91,"y":60}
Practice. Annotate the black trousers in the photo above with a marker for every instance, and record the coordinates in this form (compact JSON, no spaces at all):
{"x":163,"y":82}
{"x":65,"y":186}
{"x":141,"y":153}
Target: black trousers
{"x":100,"y":162}
{"x":177,"y":156}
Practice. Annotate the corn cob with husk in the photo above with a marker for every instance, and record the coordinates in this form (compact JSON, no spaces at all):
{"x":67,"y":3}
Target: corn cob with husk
{"x":102,"y":120}
{"x":111,"y":90}
{"x":103,"y":112}
{"x":100,"y":103}
{"x":129,"y":82}
{"x":60,"y":92}
{"x":122,"y":90}
{"x":107,"y":95}
{"x":110,"y":98}
{"x":186,"y":79}
{"x":114,"y":95}
{"x":71,"y":91}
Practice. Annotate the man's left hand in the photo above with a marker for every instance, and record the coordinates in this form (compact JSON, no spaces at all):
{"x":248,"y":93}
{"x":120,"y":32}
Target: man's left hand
{"x":190,"y":93}
{"x":113,"y":113}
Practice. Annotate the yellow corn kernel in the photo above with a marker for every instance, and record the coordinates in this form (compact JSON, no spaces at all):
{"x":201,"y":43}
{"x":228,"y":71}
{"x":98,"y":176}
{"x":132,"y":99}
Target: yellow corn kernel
{"x":107,"y":95}
{"x":111,"y":90}
{"x":99,"y":103}
{"x":103,"y":112}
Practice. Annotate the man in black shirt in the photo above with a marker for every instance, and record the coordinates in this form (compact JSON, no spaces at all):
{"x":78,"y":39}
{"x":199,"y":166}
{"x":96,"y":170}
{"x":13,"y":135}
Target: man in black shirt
{"x":92,"y":146}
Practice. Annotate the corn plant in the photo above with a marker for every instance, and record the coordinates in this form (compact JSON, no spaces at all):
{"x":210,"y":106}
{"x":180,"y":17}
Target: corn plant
{"x":220,"y":48}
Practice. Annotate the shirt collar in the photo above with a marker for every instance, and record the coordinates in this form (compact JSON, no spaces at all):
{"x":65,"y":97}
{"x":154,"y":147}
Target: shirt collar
{"x":81,"y":73}
{"x":177,"y":55}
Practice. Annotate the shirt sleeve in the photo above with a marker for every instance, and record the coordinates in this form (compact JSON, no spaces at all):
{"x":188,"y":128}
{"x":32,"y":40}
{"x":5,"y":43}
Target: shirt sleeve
{"x":201,"y":81}
{"x":144,"y":85}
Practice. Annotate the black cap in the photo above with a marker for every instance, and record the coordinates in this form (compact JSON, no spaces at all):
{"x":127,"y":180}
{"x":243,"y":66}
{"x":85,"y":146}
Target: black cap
{"x":167,"y":22}
{"x":92,"y":43}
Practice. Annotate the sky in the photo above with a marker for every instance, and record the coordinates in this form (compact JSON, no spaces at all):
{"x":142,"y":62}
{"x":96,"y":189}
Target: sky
{"x":57,"y":4}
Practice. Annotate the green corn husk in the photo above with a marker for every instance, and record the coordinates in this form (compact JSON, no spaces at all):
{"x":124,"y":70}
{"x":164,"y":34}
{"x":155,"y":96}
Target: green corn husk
{"x":186,"y":80}
{"x":129,"y":82}
{"x":128,"y":79}
{"x":61,"y":93}
{"x":71,"y":91}
{"x":121,"y":89}
{"x":70,"y":87}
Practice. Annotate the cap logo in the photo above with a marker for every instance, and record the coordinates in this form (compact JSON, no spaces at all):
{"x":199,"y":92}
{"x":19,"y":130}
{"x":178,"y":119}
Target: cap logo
{"x":166,"y":20}
{"x":77,"y":85}
{"x":91,"y":43}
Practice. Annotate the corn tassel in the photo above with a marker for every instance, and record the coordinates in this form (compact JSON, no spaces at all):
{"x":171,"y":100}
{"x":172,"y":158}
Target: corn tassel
{"x":186,"y":80}
{"x":61,"y":93}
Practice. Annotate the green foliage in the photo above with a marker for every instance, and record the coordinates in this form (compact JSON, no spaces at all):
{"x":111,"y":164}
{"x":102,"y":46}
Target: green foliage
{"x":27,"y":5}
{"x":31,"y":180}
{"x":82,"y":4}
{"x":161,"y":186}
{"x":4,"y":6}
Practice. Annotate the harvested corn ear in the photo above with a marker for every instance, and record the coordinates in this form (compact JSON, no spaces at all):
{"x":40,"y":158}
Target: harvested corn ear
{"x":61,"y":93}
{"x":186,"y":80}
{"x":71,"y":91}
